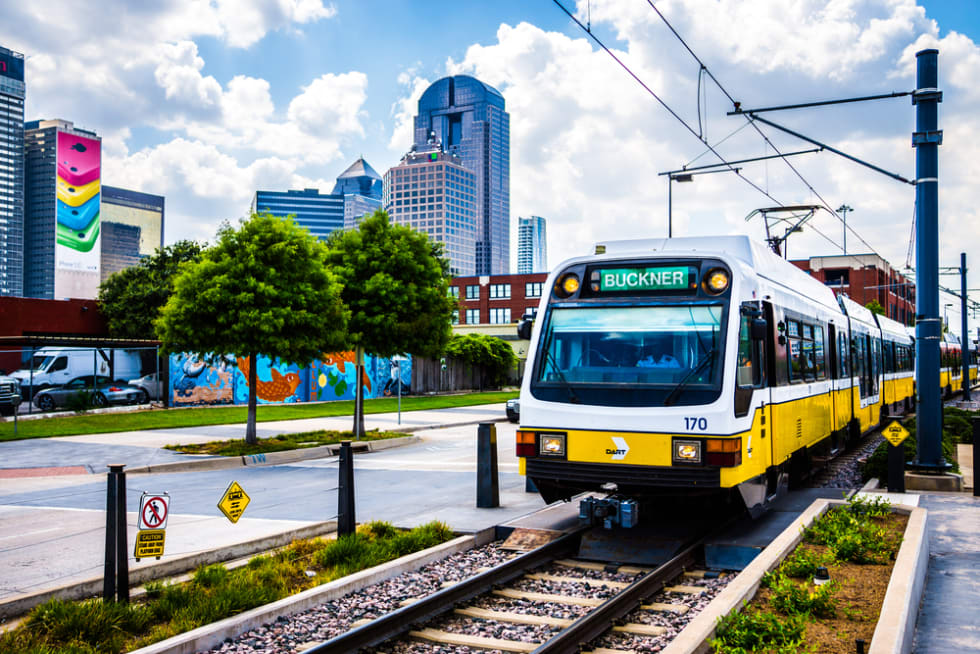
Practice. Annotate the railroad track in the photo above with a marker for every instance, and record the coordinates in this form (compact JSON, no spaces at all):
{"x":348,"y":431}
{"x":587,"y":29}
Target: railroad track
{"x":544,"y":601}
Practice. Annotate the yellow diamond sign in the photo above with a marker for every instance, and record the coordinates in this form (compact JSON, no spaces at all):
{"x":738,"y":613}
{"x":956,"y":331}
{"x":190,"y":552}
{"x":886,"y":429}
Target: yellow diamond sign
{"x":895,"y":433}
{"x":233,"y":502}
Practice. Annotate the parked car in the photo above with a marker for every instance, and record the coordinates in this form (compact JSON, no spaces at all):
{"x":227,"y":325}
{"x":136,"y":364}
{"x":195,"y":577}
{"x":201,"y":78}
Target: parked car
{"x":9,"y":395}
{"x":151,"y":386}
{"x":106,"y":391}
{"x":514,"y":410}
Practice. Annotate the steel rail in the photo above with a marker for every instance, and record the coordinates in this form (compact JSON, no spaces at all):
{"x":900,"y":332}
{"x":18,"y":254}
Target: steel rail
{"x":398,"y":622}
{"x":600,"y":620}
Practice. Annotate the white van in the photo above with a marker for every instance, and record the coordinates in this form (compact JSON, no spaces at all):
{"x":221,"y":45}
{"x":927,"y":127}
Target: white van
{"x":54,"y":366}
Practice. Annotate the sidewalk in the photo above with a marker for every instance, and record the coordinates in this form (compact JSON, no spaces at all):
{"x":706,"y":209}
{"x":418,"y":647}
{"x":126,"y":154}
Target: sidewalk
{"x":90,"y":453}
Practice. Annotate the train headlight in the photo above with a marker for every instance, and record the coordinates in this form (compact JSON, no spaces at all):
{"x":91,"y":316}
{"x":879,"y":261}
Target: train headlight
{"x":716,"y":281}
{"x":567,"y":286}
{"x":552,"y":444}
{"x":687,"y":451}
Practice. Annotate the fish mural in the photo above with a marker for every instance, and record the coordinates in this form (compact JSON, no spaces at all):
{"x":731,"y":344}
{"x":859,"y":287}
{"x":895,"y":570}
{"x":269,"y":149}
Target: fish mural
{"x":281,"y":388}
{"x":210,"y":379}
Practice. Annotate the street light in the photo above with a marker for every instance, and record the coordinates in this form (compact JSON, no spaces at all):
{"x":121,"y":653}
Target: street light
{"x":843,"y":209}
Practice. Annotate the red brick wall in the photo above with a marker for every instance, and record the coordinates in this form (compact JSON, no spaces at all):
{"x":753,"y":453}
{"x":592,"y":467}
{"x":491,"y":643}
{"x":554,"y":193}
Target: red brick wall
{"x":518,"y":302}
{"x":32,"y":317}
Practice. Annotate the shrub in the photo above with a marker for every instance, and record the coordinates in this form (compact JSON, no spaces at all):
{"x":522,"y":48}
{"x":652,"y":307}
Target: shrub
{"x":795,"y":598}
{"x":753,"y":630}
{"x":802,"y":563}
{"x":877,"y":463}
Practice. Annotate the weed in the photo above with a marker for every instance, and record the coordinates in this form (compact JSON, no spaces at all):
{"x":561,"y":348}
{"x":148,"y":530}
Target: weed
{"x":795,"y":598}
{"x":752,"y":630}
{"x":802,"y":563}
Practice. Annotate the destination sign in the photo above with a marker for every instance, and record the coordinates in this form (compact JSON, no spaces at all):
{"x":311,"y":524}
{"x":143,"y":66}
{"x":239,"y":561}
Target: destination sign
{"x":644,"y":279}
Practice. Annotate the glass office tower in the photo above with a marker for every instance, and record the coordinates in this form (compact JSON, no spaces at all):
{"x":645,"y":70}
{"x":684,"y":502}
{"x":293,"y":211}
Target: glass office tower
{"x":361,"y":187}
{"x":468,"y":119}
{"x":532,"y":245}
{"x":320,"y":213}
{"x":12,"y":91}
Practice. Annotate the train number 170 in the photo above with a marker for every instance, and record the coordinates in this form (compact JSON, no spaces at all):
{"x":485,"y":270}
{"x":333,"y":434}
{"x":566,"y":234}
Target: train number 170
{"x":696,"y":423}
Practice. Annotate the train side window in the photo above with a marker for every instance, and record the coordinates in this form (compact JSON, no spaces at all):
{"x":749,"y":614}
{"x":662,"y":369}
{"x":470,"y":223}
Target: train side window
{"x":794,"y":346}
{"x":843,"y":356}
{"x":889,"y":349}
{"x":807,"y":361}
{"x":820,"y":369}
{"x":751,"y":361}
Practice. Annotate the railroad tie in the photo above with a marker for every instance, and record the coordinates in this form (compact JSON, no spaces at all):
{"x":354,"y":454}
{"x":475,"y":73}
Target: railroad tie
{"x":665,"y":608}
{"x":688,"y":590}
{"x":543,"y":597}
{"x":640,"y":629}
{"x":606,"y":650}
{"x":519,"y":618}
{"x":465,"y":640}
{"x":576,"y":580}
{"x":602,"y":567}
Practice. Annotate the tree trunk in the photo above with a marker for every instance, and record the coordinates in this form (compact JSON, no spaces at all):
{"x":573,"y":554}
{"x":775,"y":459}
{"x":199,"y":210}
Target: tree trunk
{"x":359,"y":394}
{"x":250,"y":437}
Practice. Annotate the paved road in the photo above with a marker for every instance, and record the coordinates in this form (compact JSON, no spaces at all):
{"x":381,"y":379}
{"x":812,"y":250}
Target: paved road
{"x":52,"y":527}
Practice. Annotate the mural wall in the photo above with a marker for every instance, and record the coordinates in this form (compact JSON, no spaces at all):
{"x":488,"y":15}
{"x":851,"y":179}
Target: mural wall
{"x":209,"y":380}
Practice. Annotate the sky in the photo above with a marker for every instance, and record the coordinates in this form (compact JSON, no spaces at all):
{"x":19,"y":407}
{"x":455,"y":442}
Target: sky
{"x":205,"y":101}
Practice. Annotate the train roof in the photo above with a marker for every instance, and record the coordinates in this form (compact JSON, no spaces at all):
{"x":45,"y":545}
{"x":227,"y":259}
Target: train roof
{"x":753,"y":254}
{"x":893,"y":328}
{"x":855,"y":310}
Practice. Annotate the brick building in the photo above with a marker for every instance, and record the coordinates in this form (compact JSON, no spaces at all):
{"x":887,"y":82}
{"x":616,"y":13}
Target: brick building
{"x":497,"y":299}
{"x":865,"y":277}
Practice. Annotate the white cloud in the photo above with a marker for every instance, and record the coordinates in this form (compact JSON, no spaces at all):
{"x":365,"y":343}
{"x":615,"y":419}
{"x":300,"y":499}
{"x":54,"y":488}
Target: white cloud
{"x":404,"y":110}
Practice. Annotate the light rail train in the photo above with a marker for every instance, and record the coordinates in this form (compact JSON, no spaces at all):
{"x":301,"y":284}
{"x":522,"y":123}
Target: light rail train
{"x":671,"y":369}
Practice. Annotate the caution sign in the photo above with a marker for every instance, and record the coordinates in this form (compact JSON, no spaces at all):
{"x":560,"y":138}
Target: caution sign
{"x":149,"y":542}
{"x":233,"y":502}
{"x":154,"y":509}
{"x":895,"y":433}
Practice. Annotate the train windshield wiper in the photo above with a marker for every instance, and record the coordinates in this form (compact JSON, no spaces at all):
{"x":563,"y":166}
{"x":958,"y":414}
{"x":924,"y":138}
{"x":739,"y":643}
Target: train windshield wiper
{"x":682,"y":384}
{"x":561,"y":376}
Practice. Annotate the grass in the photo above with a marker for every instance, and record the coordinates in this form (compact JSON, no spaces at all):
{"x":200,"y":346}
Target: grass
{"x":214,"y":593}
{"x":280,"y":443}
{"x":199,"y":416}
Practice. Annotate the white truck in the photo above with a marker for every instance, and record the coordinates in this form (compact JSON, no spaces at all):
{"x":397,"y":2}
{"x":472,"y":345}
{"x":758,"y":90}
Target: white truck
{"x":53,"y":366}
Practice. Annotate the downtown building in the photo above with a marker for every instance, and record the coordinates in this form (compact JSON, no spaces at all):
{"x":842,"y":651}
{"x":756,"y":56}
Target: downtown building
{"x":432,"y":192}
{"x":532,"y":245}
{"x":62,"y":207}
{"x":468,"y":119}
{"x":357,"y":192}
{"x":132,"y":228}
{"x":12,"y":94}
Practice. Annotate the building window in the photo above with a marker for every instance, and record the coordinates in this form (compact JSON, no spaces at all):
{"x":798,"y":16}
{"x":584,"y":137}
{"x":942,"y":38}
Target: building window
{"x":455,"y":316}
{"x":838,"y":278}
{"x":500,"y":316}
{"x":472,"y":316}
{"x":499,"y":291}
{"x":473,"y":292}
{"x":531,"y":312}
{"x":454,"y":292}
{"x":532,"y":289}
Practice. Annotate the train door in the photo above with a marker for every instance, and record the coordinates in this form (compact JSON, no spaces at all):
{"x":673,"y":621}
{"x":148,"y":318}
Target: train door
{"x":773,"y":481}
{"x":833,"y":374}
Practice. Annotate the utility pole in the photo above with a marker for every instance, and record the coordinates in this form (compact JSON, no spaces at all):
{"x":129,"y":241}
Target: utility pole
{"x":965,"y":346}
{"x":842,"y":210}
{"x":926,"y":140}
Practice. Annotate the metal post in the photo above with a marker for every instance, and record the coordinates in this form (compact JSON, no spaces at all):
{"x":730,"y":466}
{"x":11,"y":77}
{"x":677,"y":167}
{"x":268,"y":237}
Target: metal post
{"x":976,"y":455}
{"x":109,"y":573}
{"x":965,"y":354}
{"x":30,"y":390}
{"x":670,"y":209}
{"x":487,"y":486}
{"x":399,"y":392}
{"x":345,"y":495}
{"x":122,"y":538}
{"x":896,"y":468}
{"x":926,"y":140}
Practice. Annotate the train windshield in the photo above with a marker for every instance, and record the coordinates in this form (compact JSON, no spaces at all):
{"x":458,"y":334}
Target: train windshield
{"x":631,"y":355}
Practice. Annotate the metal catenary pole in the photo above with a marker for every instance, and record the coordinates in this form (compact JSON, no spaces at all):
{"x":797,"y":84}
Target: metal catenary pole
{"x":109,"y":571}
{"x":965,"y":345}
{"x":926,"y":140}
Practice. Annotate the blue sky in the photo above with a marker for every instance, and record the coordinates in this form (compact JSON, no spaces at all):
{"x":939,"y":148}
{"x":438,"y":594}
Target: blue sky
{"x":204,"y":101}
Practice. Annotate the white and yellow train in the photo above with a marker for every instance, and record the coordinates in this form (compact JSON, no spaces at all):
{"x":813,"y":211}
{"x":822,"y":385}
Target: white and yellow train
{"x":701,"y":367}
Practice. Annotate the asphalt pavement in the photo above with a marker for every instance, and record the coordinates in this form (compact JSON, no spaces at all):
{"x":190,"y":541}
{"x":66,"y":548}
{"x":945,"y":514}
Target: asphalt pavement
{"x":53,"y":491}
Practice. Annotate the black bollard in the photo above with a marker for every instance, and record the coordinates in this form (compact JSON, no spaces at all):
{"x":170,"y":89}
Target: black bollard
{"x":976,"y":454}
{"x":487,"y":486}
{"x":109,"y":571}
{"x":346,"y":524}
{"x":529,"y":486}
{"x":122,"y":538}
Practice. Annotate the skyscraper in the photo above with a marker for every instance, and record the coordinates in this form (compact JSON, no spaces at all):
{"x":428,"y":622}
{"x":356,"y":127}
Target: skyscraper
{"x":62,"y":205}
{"x":12,"y":92}
{"x":132,"y":227}
{"x":361,"y":187}
{"x":321,"y":213}
{"x":431,"y":192}
{"x":532,"y":245}
{"x":468,"y":118}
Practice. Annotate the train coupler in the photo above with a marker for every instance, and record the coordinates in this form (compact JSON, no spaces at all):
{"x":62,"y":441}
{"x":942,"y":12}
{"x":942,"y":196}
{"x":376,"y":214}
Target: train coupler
{"x":609,"y":511}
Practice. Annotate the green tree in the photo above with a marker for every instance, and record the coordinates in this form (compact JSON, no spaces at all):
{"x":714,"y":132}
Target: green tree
{"x":131,"y":299}
{"x":395,"y":284}
{"x":263,"y":288}
{"x":494,"y":357}
{"x":875,"y":307}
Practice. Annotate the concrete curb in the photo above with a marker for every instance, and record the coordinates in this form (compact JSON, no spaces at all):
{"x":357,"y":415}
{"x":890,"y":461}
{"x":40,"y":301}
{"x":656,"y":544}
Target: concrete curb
{"x":271,"y":458}
{"x":901,"y":598}
{"x":93,"y":587}
{"x":209,"y":636}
